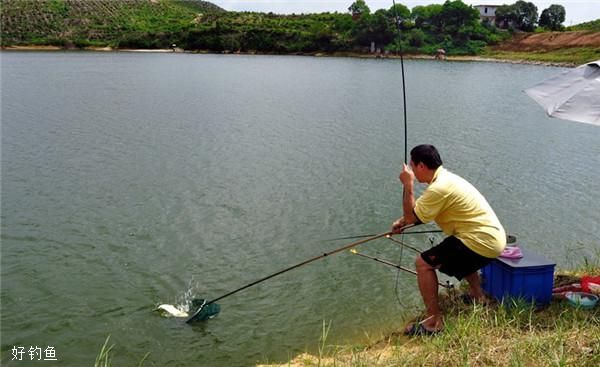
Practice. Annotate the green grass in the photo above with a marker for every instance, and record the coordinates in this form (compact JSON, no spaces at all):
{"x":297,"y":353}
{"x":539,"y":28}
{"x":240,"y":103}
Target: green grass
{"x":514,"y":334}
{"x":104,"y":358}
{"x":511,"y":334}
{"x":593,"y":25}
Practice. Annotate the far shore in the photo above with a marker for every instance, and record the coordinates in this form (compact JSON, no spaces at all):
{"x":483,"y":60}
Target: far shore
{"x":315,"y":54}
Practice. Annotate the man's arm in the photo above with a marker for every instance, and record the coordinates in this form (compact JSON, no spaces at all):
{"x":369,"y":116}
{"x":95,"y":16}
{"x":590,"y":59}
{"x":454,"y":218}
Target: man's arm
{"x":408,"y":202}
{"x":407,"y":178}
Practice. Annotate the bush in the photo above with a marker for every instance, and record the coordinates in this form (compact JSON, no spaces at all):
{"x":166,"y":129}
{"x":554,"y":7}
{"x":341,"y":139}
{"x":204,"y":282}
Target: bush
{"x":416,"y":38}
{"x":82,"y":43}
{"x":495,"y":38}
{"x":136,"y":41}
{"x":469,"y":48}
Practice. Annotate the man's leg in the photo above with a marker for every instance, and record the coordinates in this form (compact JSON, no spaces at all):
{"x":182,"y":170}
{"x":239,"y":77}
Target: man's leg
{"x":475,"y":287}
{"x":428,"y":286}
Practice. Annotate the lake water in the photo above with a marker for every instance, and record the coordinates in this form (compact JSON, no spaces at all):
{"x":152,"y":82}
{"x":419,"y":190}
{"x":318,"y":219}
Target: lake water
{"x":130,"y":180}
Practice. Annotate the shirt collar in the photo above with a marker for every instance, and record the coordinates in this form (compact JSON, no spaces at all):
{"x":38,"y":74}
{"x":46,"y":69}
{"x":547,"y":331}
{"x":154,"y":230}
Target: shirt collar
{"x":439,"y":170}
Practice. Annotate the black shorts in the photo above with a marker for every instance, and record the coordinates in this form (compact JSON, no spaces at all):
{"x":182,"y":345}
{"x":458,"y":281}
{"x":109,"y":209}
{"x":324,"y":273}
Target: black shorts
{"x":453,"y":258}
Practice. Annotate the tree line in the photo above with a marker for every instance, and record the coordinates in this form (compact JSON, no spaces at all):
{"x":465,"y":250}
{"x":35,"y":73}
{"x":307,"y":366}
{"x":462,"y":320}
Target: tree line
{"x":453,"y":26}
{"x":523,"y":15}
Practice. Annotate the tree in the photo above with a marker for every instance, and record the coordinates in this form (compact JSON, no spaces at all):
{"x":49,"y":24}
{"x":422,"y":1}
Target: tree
{"x":527,"y":15}
{"x":520,"y":15}
{"x":553,"y":17}
{"x":358,"y":9}
{"x":416,"y":38}
{"x":380,"y":28}
{"x":456,"y":16}
{"x":400,"y":11}
{"x":506,"y":16}
{"x":423,"y":16}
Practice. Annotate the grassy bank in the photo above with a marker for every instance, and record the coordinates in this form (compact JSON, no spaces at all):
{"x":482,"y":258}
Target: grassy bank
{"x":567,"y":56}
{"x":505,"y":56}
{"x":511,"y":334}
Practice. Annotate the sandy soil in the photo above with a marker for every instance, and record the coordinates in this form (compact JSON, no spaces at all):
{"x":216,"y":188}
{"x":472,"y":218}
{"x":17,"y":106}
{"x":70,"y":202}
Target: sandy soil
{"x":550,"y":41}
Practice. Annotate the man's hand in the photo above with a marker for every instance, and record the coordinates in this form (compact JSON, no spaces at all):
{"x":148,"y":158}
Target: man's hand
{"x":407,"y":176}
{"x":398,"y":225}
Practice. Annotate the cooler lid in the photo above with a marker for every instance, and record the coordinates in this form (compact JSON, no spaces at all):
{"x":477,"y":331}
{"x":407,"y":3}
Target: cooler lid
{"x":530,"y":259}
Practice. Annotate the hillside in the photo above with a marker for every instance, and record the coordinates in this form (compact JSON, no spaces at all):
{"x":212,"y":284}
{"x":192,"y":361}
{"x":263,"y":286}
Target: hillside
{"x":152,"y":24}
{"x":551,"y":41}
{"x":575,"y":47}
{"x":200,"y":25}
{"x":593,"y":25}
{"x":96,"y":22}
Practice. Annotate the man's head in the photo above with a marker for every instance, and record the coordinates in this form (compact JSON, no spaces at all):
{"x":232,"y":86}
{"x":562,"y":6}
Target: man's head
{"x":427,"y":154}
{"x":424,"y":160}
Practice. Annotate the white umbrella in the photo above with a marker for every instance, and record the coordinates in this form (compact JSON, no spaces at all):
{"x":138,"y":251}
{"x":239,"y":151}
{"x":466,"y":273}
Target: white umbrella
{"x":573,"y":95}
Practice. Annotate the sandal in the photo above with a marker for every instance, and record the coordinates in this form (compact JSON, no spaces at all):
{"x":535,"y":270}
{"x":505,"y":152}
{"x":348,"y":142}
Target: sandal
{"x":417,"y":329}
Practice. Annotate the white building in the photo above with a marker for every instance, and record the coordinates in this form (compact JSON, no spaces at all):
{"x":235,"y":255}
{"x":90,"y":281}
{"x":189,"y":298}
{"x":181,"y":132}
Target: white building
{"x":487,"y":12}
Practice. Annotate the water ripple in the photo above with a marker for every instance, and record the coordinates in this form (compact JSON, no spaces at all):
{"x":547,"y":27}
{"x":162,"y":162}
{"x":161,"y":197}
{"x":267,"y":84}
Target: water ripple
{"x":147,"y":179}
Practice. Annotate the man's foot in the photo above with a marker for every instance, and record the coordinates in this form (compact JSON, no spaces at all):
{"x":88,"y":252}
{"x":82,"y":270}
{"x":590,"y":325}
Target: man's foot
{"x":417,"y":329}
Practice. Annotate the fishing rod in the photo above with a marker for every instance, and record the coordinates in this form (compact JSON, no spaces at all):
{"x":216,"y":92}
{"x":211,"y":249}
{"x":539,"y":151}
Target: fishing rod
{"x":398,"y":21}
{"x":399,"y":43}
{"x":370,"y":235}
{"x":403,"y":244}
{"x":399,"y":267}
{"x":209,"y":312}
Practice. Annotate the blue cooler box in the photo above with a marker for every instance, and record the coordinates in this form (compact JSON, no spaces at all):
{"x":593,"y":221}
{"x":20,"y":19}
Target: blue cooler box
{"x":529,"y":278}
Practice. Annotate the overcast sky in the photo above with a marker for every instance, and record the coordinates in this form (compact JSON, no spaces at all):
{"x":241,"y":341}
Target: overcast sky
{"x":578,"y":11}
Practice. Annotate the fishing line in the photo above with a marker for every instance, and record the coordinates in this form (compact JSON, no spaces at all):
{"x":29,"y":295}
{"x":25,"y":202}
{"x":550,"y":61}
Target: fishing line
{"x":399,"y":267}
{"x":371,"y":235}
{"x":403,"y":244}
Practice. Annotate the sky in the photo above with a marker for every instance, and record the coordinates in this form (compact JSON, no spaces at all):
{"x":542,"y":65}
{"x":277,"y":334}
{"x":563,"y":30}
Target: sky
{"x":578,"y":11}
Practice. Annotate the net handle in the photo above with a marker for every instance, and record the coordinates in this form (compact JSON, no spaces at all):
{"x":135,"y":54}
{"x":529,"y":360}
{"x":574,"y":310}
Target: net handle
{"x":346,"y":247}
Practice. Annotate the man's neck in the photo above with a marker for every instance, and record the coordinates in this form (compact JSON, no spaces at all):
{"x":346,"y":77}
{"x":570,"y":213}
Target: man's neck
{"x":429,"y":175}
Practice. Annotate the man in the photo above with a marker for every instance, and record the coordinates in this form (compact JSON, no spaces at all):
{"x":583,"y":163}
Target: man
{"x":475,"y":235}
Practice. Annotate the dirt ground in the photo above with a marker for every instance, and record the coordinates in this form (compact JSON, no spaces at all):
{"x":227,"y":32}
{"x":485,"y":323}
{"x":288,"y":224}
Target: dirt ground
{"x":550,"y":41}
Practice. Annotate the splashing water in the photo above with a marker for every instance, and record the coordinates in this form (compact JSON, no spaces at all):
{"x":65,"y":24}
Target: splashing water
{"x":181,"y":306}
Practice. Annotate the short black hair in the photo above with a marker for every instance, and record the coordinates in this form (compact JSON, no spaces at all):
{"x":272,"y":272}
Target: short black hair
{"x":427,"y":154}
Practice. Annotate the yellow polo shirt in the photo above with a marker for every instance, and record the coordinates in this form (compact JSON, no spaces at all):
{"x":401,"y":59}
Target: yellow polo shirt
{"x":461,"y":211}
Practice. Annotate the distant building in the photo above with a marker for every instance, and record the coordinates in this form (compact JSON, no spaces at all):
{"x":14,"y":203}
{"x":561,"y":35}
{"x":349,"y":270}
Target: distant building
{"x":487,"y":12}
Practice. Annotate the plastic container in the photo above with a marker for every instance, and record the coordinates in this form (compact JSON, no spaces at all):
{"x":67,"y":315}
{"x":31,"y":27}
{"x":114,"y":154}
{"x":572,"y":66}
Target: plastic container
{"x":529,"y":278}
{"x":582,"y":299}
